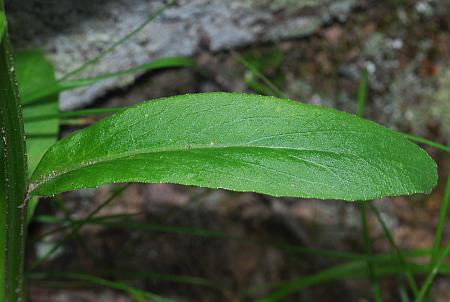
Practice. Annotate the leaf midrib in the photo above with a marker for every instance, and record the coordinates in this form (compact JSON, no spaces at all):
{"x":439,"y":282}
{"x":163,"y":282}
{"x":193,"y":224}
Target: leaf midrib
{"x":199,"y":147}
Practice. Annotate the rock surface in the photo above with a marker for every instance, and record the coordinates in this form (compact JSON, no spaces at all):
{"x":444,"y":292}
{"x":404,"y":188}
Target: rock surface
{"x":72,"y":32}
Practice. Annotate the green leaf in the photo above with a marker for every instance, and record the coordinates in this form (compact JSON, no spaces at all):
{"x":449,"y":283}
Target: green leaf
{"x":13,"y":178}
{"x":41,"y":135}
{"x":34,"y":72}
{"x":35,"y":95}
{"x":2,"y":25}
{"x":243,"y":143}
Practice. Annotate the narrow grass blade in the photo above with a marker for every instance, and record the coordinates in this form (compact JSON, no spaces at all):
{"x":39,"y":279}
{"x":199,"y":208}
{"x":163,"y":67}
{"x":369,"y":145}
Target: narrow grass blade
{"x":2,"y":25}
{"x":118,"y":43}
{"x":31,"y":98}
{"x":363,"y":92}
{"x":443,"y":211}
{"x":401,"y":258}
{"x":73,"y":114}
{"x":123,"y":221}
{"x":179,"y":279}
{"x":362,"y":97}
{"x":66,"y":225}
{"x":368,"y":249}
{"x":338,"y":272}
{"x":271,"y":87}
{"x":437,"y":255}
{"x":136,"y":293}
{"x":77,"y":227}
{"x":428,"y":142}
{"x":51,"y":219}
{"x":162,"y":63}
{"x":402,"y":291}
{"x":432,"y":274}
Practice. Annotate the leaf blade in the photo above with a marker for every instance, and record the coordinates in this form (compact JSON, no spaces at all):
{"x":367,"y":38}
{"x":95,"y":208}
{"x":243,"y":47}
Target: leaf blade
{"x":2,"y":25}
{"x":36,"y":95}
{"x":35,"y":72}
{"x":242,"y":143}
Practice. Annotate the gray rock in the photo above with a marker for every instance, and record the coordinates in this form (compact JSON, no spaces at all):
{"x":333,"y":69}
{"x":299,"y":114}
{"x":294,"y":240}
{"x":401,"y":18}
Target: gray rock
{"x":71,"y":32}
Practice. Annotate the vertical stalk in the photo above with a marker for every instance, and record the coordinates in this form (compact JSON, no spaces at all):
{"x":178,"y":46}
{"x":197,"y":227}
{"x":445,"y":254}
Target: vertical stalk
{"x":441,"y":223}
{"x":13,"y":176}
{"x":362,"y":98}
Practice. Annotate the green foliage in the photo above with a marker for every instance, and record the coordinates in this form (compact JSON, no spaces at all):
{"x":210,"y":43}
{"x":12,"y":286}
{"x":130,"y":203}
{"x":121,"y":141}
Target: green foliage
{"x":13,"y":177}
{"x":233,"y":141}
{"x":260,"y":63}
{"x":239,"y":142}
{"x":34,"y":73}
{"x":40,"y":89}
{"x":2,"y":25}
{"x":375,"y":284}
{"x":256,"y":80}
{"x":40,"y":95}
{"x":138,"y":295}
{"x":405,"y":267}
{"x":443,"y":211}
{"x":119,"y":42}
{"x":435,"y":267}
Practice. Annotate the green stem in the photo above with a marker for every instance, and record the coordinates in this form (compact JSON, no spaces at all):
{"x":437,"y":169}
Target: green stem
{"x":368,"y":249}
{"x":272,"y":87}
{"x":362,"y":98}
{"x":398,"y":252}
{"x":73,"y":114}
{"x":362,"y":93}
{"x":136,"y":293}
{"x":433,"y":272}
{"x":13,"y":175}
{"x":425,"y":141}
{"x":442,"y":217}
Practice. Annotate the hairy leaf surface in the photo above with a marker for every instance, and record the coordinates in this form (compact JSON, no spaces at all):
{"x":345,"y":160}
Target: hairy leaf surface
{"x":239,"y":142}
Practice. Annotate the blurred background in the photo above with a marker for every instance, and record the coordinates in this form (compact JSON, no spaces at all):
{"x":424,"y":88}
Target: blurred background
{"x":194,"y":244}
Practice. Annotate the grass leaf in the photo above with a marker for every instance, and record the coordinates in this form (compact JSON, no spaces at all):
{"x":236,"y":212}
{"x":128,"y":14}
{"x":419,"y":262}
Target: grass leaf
{"x":34,"y":72}
{"x":13,"y":176}
{"x":243,"y":143}
{"x":136,"y":293}
{"x":36,"y":96}
{"x":2,"y":25}
{"x":119,"y":42}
